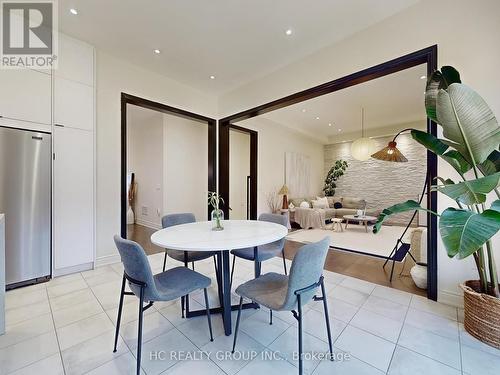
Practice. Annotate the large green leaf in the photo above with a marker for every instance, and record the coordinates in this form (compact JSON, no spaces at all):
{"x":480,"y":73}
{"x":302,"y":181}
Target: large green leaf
{"x":495,"y":206}
{"x":471,"y":192}
{"x":468,"y":122}
{"x":410,"y":205}
{"x":491,"y":165}
{"x":439,"y":147}
{"x":464,"y":232}
{"x":439,"y":80}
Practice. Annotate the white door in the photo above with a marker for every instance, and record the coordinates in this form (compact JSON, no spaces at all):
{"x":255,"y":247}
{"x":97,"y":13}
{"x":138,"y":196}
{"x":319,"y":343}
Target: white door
{"x":73,"y":104}
{"x":25,"y":95}
{"x":73,"y":197}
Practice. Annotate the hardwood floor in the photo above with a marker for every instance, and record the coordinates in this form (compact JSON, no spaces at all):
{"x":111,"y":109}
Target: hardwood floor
{"x":349,"y":264}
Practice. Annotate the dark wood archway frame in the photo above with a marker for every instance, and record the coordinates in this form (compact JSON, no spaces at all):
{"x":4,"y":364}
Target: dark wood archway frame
{"x":144,"y":103}
{"x":426,"y":56}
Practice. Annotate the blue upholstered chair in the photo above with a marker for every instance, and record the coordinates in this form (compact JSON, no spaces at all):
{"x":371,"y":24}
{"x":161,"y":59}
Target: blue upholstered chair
{"x":267,"y":251}
{"x":166,"y":286}
{"x":290,"y":293}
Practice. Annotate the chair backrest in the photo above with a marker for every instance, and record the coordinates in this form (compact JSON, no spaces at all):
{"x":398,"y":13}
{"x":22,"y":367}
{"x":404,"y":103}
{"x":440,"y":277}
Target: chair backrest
{"x":136,"y":265}
{"x":277,"y":219}
{"x":177,"y":219}
{"x":307,"y":268}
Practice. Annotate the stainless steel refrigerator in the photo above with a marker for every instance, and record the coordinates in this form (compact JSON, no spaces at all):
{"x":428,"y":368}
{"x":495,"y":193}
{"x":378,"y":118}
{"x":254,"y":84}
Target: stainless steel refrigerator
{"x":25,"y":199}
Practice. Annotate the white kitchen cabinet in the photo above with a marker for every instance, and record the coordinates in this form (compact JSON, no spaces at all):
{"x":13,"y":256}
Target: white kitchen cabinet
{"x":75,"y":60}
{"x":25,"y":95}
{"x":73,"y":193}
{"x":73,"y":104}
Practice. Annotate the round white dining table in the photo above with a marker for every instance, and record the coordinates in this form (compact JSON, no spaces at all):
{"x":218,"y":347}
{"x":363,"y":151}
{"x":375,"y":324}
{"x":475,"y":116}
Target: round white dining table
{"x":237,"y":234}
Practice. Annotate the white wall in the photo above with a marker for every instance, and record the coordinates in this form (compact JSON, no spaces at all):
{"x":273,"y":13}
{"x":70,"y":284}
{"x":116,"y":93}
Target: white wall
{"x":466,"y":33}
{"x":239,"y":169}
{"x":145,"y":159}
{"x":115,"y":76}
{"x":186,"y":166}
{"x":274,"y":140}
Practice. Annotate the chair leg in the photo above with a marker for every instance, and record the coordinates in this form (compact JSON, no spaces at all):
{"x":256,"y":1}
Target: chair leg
{"x":207,"y":306}
{"x":299,"y":308}
{"x":139,"y":333}
{"x":119,"y":318}
{"x":192,"y":264}
{"x":237,"y":324}
{"x":327,"y":319}
{"x":232,"y":271}
{"x":165,"y":262}
{"x":392,"y":270}
{"x":182,"y":307}
{"x":284,"y":261}
{"x":271,"y":317}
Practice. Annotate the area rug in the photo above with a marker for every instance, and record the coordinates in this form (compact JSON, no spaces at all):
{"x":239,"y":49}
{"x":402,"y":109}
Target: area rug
{"x":354,"y":239}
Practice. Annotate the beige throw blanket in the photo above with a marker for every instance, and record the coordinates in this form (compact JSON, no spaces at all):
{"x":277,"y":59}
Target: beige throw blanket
{"x":310,"y":217}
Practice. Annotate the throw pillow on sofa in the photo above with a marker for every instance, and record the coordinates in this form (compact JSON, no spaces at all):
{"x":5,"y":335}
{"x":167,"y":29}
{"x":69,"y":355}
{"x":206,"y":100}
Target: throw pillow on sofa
{"x":316,"y":203}
{"x":305,"y":204}
{"x":337,"y":205}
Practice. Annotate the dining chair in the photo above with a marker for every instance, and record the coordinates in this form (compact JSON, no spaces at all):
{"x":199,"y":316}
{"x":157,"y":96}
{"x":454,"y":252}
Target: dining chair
{"x":185,"y":257}
{"x":264,"y":252}
{"x":280,"y":292}
{"x":165,"y":286}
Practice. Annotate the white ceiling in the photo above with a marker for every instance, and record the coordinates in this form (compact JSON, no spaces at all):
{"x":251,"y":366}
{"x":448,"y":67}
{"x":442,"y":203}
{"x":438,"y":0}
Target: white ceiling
{"x":387,"y":101}
{"x":235,"y":40}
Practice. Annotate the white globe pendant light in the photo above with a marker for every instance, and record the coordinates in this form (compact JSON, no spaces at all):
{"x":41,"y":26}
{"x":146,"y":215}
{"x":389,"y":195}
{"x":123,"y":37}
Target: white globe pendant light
{"x":363,"y":148}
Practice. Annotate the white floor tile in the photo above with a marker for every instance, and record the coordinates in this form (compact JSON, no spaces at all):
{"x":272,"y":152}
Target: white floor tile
{"x":153,"y":325}
{"x":406,"y":362}
{"x":90,"y":354}
{"x":469,"y":340}
{"x":125,"y":364}
{"x":196,"y":329}
{"x":314,"y":324}
{"x":333,"y":277}
{"x":75,"y":313}
{"x":108,"y":294}
{"x":205,"y":367}
{"x":51,"y":365}
{"x":71,"y":299}
{"x":479,"y":362}
{"x":432,"y":323}
{"x":65,"y":288}
{"x":352,"y":296}
{"x":26,"y":330}
{"x":219,"y":351}
{"x":377,"y":324}
{"x":130,"y":311}
{"x":424,"y":304}
{"x":392,"y":294}
{"x":83,"y":330}
{"x":27,"y":352}
{"x":266,"y":364}
{"x":366,"y":347}
{"x":359,"y":285}
{"x":386,"y":308}
{"x":173,"y":311}
{"x":101,"y":275}
{"x":60,"y":280}
{"x":15,"y":299}
{"x":257,"y":326}
{"x":26,"y":312}
{"x":436,"y":347}
{"x":351,"y":366}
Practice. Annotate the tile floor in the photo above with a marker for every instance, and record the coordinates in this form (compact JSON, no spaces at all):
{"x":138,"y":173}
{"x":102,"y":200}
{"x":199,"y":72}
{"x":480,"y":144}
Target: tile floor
{"x":66,"y":326}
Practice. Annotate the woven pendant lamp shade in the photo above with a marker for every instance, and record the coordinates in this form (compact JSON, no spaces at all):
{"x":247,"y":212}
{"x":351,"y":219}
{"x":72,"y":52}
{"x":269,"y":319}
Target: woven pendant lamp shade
{"x":390,"y":153}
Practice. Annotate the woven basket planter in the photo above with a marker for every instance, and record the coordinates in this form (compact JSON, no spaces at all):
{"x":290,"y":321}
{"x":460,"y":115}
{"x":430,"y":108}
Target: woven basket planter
{"x":481,"y":314}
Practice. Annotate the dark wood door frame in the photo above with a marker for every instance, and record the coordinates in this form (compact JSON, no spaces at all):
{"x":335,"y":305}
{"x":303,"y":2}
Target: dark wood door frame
{"x":144,"y":103}
{"x":253,"y":169}
{"x":426,"y":56}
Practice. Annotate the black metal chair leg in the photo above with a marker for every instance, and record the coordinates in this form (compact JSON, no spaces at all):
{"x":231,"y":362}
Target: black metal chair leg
{"x":232,"y":271}
{"x":299,"y":318}
{"x":271,"y":317}
{"x":192,"y":264}
{"x":392,"y":271}
{"x":284,"y":261}
{"x":165,"y":262}
{"x":208,"y":314}
{"x":139,"y":333}
{"x":182,"y":307}
{"x":237,"y":324}
{"x":119,"y":318}
{"x":327,"y":319}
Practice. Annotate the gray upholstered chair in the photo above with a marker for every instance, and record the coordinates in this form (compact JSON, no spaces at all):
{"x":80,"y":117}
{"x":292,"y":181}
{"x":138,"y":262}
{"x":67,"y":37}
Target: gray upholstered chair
{"x":267,"y":251}
{"x":186,"y":257}
{"x":290,"y":293}
{"x":166,"y":286}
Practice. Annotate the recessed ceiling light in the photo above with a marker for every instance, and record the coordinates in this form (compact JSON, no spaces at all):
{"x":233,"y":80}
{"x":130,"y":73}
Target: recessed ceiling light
{"x":317,"y":118}
{"x":288,"y":32}
{"x":340,"y":130}
{"x":73,"y":11}
{"x":212,"y":77}
{"x":329,"y":124}
{"x":423,"y":77}
{"x":304,"y":110}
{"x":157,"y":51}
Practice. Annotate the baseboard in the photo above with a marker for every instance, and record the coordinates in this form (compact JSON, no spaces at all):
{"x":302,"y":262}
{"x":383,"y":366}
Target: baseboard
{"x":450,"y":298}
{"x":73,"y":269}
{"x":148,"y":224}
{"x":107,"y":259}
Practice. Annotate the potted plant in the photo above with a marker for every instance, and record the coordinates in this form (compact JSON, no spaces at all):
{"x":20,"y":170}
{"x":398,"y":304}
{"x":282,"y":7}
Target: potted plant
{"x":217,"y":215}
{"x":470,"y":145}
{"x":335,"y":172}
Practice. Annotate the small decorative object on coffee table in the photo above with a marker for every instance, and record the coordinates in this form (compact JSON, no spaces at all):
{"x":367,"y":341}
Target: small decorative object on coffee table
{"x":337,"y":224}
{"x":217,"y":214}
{"x":360,"y":219}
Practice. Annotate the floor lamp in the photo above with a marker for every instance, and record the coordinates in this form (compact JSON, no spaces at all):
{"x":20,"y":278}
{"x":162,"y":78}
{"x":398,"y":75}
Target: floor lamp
{"x":391,"y":153}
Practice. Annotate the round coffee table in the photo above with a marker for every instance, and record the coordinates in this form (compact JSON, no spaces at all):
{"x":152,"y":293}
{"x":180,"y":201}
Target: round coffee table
{"x":360,"y":219}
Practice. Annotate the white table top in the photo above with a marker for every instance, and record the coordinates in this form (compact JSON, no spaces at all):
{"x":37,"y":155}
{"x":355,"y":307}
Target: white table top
{"x":360,"y":218}
{"x":237,"y":234}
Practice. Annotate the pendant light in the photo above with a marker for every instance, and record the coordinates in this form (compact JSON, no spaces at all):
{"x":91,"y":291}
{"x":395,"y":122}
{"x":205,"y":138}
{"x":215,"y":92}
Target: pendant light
{"x":363,"y":148}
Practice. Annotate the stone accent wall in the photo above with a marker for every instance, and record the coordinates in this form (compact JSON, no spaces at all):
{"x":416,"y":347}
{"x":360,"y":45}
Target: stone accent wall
{"x":381,"y":183}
